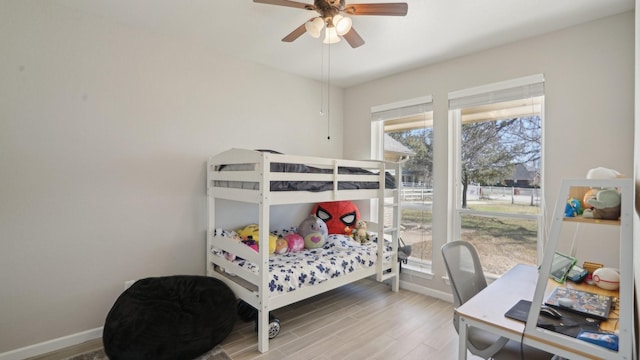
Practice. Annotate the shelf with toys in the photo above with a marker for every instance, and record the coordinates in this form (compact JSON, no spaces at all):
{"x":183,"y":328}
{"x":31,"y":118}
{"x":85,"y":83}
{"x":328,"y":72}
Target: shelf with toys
{"x":617,"y":203}
{"x":587,"y":204}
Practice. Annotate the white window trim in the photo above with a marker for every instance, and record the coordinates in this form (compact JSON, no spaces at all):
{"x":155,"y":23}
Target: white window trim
{"x":428,"y":99}
{"x":454,"y":197}
{"x":497,"y":87}
{"x":420,"y":268}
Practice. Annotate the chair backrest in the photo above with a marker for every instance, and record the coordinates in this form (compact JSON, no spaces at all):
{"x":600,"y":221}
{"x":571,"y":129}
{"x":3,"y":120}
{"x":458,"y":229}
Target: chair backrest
{"x":464,"y":270}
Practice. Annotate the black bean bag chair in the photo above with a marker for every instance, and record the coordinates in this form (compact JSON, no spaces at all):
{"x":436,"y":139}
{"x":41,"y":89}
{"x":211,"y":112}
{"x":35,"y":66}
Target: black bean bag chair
{"x":173,"y":317}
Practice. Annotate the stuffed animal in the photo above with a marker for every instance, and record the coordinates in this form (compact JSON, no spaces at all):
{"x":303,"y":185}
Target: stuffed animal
{"x":251,"y":243}
{"x":590,"y":194}
{"x":340,"y":216}
{"x":606,"y":205}
{"x":603,"y":173}
{"x":314,"y":231}
{"x":295,"y":242}
{"x":229,"y":256}
{"x":360,"y":233}
{"x":282,"y":247}
{"x":251,"y":232}
{"x":573,"y":208}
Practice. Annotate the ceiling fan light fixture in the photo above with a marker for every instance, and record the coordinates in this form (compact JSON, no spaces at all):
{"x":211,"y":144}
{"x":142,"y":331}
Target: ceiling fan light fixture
{"x":332,"y":15}
{"x":331,"y":36}
{"x":342,"y":24}
{"x":314,"y":27}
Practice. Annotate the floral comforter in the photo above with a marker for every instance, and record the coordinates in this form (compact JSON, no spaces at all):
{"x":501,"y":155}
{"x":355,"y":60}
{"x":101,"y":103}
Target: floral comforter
{"x":340,"y":255}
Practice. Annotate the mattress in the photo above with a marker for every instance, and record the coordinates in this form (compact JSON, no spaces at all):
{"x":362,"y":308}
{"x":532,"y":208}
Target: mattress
{"x":314,"y":186}
{"x":340,"y":255}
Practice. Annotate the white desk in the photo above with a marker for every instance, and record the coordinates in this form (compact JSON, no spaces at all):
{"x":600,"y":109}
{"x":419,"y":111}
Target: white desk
{"x":486,"y":310}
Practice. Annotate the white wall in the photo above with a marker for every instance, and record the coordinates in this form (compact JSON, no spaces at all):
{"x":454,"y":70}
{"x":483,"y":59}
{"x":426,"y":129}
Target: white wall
{"x":588,"y":72}
{"x":104,"y":135}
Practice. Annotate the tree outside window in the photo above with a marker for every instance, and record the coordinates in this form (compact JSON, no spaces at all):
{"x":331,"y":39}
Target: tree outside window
{"x":499,"y":170}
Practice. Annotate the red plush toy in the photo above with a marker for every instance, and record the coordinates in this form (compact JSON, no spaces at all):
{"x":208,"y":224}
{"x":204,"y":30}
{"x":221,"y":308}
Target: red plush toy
{"x":340,"y":216}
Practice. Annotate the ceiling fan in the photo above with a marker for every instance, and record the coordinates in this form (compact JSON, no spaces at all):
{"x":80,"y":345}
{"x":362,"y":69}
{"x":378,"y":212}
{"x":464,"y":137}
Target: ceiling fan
{"x":332,"y":18}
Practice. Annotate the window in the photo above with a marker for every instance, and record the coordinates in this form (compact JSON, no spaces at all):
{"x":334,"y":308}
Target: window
{"x":497,"y":160}
{"x":405,"y":133}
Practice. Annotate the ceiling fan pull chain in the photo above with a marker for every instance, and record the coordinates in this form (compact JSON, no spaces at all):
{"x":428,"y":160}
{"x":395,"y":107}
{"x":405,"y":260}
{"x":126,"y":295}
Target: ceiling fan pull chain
{"x":329,"y":94}
{"x":321,"y":79}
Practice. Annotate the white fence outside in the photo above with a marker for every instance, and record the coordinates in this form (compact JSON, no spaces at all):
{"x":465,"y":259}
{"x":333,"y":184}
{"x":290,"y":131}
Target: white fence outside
{"x":514,"y":195}
{"x":420,"y":194}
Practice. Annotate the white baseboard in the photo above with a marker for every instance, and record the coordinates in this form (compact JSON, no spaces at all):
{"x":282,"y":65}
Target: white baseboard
{"x":52,"y":345}
{"x":422,"y":290}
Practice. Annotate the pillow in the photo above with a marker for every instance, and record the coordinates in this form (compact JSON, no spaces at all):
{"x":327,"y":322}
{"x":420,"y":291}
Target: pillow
{"x":173,"y":317}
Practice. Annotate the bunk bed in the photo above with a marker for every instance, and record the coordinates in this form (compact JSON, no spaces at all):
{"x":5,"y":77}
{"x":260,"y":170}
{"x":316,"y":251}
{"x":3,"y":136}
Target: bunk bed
{"x":265,"y":178}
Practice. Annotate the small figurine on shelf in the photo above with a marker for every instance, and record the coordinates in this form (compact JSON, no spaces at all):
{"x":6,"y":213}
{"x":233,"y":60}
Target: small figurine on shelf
{"x":573,"y":208}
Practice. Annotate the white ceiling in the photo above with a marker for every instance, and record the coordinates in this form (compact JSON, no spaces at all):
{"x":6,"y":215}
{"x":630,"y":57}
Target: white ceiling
{"x":432,"y":31}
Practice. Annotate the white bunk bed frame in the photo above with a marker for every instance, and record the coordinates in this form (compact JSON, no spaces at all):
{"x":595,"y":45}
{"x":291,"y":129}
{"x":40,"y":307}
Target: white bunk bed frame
{"x":253,"y":288}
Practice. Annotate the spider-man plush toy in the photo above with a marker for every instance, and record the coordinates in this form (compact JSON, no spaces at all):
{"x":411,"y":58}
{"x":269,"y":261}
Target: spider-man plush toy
{"x":340,"y":216}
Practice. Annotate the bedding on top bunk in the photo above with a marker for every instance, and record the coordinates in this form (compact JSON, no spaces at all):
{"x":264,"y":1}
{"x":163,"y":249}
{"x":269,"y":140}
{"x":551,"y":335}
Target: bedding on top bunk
{"x":340,"y":255}
{"x":314,"y":186}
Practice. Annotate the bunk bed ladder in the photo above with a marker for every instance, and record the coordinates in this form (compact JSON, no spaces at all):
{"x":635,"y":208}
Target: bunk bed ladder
{"x":393,"y":230}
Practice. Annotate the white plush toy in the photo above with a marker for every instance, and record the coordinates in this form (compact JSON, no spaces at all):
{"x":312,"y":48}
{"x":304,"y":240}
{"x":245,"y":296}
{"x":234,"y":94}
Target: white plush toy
{"x":606,"y":204}
{"x":602,"y":173}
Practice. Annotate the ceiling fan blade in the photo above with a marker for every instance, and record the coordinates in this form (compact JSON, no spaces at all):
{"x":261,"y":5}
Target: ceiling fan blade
{"x":389,"y":9}
{"x":295,"y":33}
{"x":353,"y":38}
{"x":293,"y":4}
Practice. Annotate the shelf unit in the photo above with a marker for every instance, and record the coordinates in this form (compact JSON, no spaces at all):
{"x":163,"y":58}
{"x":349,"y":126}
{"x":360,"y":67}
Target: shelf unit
{"x":573,"y":348}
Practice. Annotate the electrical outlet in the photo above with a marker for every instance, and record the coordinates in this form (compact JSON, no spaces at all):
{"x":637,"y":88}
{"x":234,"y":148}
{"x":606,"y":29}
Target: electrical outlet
{"x":127,"y":284}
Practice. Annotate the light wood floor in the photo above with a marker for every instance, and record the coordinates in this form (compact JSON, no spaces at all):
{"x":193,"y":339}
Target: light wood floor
{"x":363,"y":320}
{"x":71,"y":351}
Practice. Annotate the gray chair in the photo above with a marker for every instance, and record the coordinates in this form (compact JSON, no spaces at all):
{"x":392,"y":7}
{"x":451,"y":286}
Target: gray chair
{"x":467,"y":279}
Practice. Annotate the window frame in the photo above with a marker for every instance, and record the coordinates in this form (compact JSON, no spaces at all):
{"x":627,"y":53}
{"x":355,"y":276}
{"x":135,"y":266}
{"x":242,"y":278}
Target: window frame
{"x":482,"y":95}
{"x":389,"y":111}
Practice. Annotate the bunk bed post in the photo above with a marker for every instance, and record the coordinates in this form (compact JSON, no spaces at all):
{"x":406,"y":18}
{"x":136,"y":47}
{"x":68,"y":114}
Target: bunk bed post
{"x":211,"y":207}
{"x":335,"y":186}
{"x":263,"y":225}
{"x":393,"y":275}
{"x":380,"y":220}
{"x":397,"y":212}
{"x":394,"y":227}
